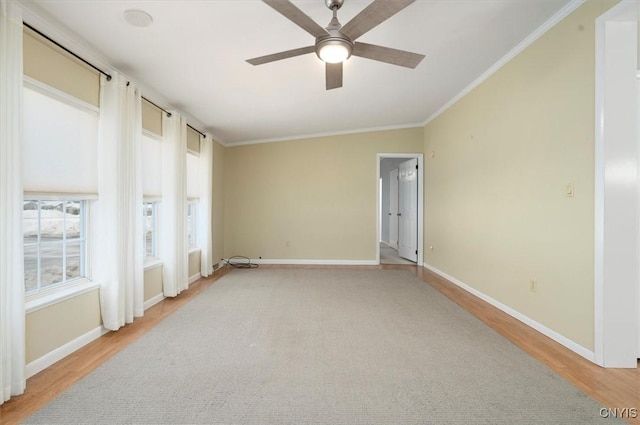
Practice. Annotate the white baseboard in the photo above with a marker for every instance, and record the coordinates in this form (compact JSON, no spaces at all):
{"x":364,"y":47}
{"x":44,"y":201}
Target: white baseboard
{"x":316,"y":262}
{"x":153,"y":301}
{"x":571,"y":345}
{"x":194,"y":278}
{"x":63,"y":351}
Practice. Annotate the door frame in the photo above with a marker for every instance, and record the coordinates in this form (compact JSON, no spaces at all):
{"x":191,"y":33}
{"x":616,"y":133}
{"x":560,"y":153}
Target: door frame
{"x":617,"y":191}
{"x":420,"y":158}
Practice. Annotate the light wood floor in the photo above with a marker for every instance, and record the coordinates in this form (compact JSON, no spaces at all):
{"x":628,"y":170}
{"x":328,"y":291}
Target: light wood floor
{"x":614,"y":388}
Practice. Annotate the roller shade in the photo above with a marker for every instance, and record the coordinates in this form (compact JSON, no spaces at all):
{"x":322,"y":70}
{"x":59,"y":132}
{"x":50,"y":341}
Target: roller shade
{"x":151,"y":166}
{"x":193,"y":141}
{"x":46,"y":62}
{"x":60,"y":144}
{"x":193,"y":176}
{"x":151,"y":117}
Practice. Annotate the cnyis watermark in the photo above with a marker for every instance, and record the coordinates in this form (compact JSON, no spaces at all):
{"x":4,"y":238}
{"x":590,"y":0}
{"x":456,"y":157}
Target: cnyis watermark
{"x":619,"y":412}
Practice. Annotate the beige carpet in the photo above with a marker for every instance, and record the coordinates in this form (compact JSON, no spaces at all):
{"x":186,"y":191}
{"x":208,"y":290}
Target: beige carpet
{"x":321,"y":346}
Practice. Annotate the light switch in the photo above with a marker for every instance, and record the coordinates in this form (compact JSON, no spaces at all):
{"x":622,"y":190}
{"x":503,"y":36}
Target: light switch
{"x":569,"y":190}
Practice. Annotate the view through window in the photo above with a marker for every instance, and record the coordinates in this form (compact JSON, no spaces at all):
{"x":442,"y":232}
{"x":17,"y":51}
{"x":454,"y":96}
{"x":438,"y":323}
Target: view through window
{"x":54,"y":243}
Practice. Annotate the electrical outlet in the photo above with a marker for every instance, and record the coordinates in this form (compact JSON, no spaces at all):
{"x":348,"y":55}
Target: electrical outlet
{"x":533,"y":285}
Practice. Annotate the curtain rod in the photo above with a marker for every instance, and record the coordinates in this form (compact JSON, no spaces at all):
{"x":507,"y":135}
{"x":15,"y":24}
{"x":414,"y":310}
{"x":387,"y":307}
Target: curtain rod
{"x":196,"y":130}
{"x":159,"y":107}
{"x":169,"y":114}
{"x":41,"y":34}
{"x":46,"y":37}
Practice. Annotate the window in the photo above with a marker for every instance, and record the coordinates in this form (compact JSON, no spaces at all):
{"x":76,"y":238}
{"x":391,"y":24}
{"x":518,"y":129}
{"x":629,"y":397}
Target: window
{"x":192,"y":240}
{"x":150,"y":229}
{"x":59,"y":168}
{"x":54,"y":242}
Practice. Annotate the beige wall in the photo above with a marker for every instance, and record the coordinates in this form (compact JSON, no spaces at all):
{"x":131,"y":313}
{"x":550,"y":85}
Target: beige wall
{"x":218,"y":201}
{"x":194,"y":263}
{"x":318,"y":195}
{"x":58,"y":324}
{"x":74,"y":317}
{"x":152,"y":283}
{"x":496,"y":212}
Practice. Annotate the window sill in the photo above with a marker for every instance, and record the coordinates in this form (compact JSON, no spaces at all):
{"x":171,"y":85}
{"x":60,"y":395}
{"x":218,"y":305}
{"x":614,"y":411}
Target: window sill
{"x":46,"y":298}
{"x":152,"y":263}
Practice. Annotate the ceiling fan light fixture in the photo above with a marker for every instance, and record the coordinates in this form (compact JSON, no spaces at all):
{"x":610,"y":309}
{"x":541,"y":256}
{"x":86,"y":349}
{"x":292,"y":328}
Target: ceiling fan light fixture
{"x":336,"y":43}
{"x":334,"y":50}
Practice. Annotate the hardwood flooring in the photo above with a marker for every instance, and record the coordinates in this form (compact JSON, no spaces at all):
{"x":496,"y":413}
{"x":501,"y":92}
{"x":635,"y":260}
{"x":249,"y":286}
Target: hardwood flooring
{"x":613,"y":388}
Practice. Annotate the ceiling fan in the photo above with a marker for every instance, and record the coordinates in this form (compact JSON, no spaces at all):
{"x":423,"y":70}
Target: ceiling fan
{"x":336,"y":43}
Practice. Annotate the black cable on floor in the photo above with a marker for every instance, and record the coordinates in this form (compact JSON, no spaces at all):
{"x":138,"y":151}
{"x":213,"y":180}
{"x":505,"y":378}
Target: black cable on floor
{"x":244,"y":263}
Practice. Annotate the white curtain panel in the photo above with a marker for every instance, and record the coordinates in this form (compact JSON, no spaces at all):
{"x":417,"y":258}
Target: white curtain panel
{"x":118,"y":220}
{"x":205,"y":238}
{"x":173,"y":208}
{"x":12,"y":314}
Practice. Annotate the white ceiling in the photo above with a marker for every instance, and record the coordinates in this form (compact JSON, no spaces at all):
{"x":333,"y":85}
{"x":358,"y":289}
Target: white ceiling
{"x":194,"y":55}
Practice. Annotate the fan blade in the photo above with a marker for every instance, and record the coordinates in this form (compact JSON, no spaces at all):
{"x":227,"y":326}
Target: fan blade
{"x":387,"y":54}
{"x":372,"y":15}
{"x":334,"y":75}
{"x":298,"y":17}
{"x":282,"y":55}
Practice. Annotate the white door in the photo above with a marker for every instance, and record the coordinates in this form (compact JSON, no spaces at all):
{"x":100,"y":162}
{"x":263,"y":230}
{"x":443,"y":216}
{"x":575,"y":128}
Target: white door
{"x":393,"y":208}
{"x":408,"y":210}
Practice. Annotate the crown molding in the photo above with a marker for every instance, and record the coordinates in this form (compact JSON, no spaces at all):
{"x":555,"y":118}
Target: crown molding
{"x":324,"y":134}
{"x":550,"y":23}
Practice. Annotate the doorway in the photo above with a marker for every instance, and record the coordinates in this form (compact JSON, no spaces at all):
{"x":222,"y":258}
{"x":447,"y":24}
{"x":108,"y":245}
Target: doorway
{"x":399,"y":209}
